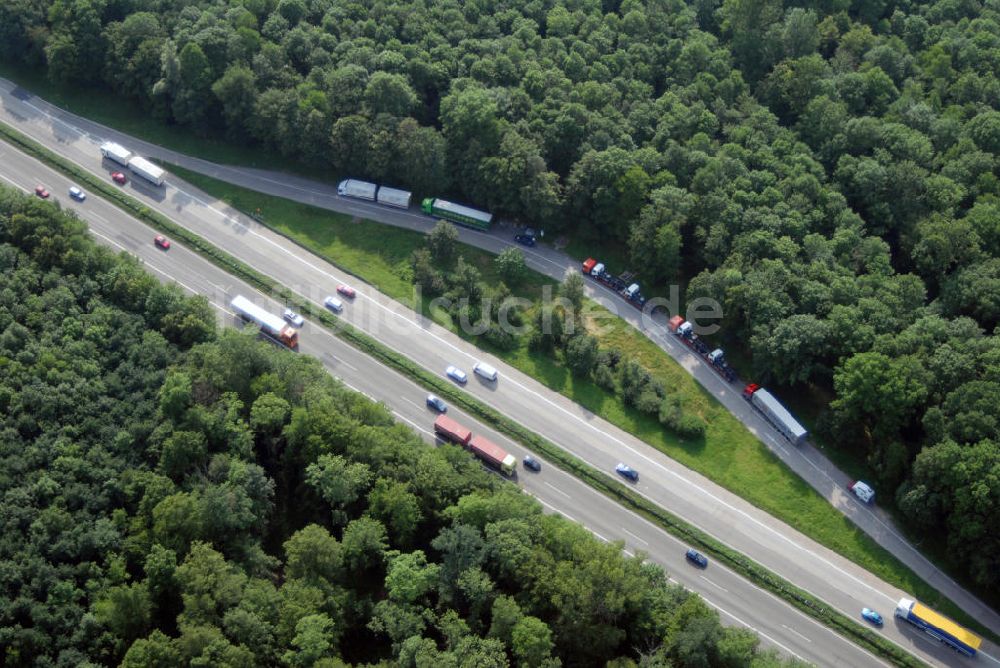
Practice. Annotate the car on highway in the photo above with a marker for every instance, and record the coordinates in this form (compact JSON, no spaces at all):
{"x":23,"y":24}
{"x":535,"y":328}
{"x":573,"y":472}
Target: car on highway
{"x":627,"y":472}
{"x":77,"y":194}
{"x":437,"y":403}
{"x":871,"y":616}
{"x":162,"y":241}
{"x":696,"y":558}
{"x":526,"y":237}
{"x":118,"y":178}
{"x":346,"y":290}
{"x":530,"y":462}
{"x":456,"y":374}
{"x":333,"y":304}
{"x":42,"y":192}
{"x":863,"y":491}
{"x":292,"y":317}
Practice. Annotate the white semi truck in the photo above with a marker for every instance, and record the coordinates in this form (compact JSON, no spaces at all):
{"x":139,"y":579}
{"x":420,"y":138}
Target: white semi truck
{"x":394,"y":197}
{"x":357,"y":189}
{"x":116,"y":152}
{"x":147,"y":170}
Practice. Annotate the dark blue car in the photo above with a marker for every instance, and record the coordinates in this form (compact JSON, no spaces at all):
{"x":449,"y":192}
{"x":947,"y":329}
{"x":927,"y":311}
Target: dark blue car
{"x":697,"y":558}
{"x":871,"y":616}
{"x":527,"y":237}
{"x":532,"y":463}
{"x":437,"y":403}
{"x":627,"y":472}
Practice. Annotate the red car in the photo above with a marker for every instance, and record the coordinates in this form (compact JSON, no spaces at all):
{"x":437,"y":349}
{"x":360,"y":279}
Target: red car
{"x":42,"y":192}
{"x":346,"y":290}
{"x":162,"y":241}
{"x":118,"y":177}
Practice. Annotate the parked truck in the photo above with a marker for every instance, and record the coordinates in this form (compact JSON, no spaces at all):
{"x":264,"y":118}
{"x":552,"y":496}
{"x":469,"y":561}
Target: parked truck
{"x":457,"y":213}
{"x":452,"y":431}
{"x":716,"y":358}
{"x":938,"y":627}
{"x":493,"y":455}
{"x":623,"y":284}
{"x":357,"y":189}
{"x":393,"y":197}
{"x":775,"y":413}
{"x":116,"y":152}
{"x":146,"y":170}
{"x":270,"y":324}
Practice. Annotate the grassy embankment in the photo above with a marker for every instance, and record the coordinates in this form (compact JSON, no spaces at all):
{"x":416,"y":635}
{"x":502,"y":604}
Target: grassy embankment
{"x":729,"y":455}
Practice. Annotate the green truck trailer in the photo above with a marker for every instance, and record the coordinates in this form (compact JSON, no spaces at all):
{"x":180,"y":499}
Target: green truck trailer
{"x":457,"y":213}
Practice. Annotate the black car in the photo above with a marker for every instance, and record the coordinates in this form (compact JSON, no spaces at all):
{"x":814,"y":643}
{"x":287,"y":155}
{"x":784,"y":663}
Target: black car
{"x":527,"y":237}
{"x":697,"y":558}
{"x":532,"y":463}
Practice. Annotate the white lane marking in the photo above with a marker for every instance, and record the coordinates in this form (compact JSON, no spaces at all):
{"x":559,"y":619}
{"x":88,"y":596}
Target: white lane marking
{"x":411,"y":402}
{"x":411,"y":423}
{"x":349,"y":366}
{"x":553,"y":487}
{"x":714,"y":584}
{"x":91,"y":214}
{"x":752,"y":628}
{"x":634,"y":536}
{"x":796,"y":632}
{"x":878,"y":520}
{"x":991,"y":658}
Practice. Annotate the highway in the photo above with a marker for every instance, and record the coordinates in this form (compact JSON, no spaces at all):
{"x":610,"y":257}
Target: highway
{"x":685,"y":493}
{"x":739,"y":603}
{"x":59,"y":129}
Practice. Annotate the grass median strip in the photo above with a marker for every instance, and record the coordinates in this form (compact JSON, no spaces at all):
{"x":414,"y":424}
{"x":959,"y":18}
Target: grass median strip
{"x":729,"y":454}
{"x":598,"y":480}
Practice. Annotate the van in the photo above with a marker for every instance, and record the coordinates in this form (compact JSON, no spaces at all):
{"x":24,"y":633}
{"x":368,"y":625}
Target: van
{"x":484,"y":370}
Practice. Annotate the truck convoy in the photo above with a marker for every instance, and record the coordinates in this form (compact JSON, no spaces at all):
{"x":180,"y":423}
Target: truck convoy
{"x":775,"y":413}
{"x":137,"y":165}
{"x":456,"y":213}
{"x":716,"y":358}
{"x":372,"y":192}
{"x":490,"y":453}
{"x":624,"y":285}
{"x":938,"y":626}
{"x":270,"y":324}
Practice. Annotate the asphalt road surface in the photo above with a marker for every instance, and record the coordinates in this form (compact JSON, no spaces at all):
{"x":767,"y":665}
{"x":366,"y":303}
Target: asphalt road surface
{"x":738,"y":602}
{"x":685,"y":493}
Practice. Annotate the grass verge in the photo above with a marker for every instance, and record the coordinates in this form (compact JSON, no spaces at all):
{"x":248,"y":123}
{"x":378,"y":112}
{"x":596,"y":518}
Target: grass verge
{"x":729,"y":454}
{"x":597,"y":479}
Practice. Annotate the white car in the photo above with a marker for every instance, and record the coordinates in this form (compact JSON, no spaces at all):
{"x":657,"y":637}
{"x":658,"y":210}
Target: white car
{"x":334,"y":304}
{"x":457,"y":375}
{"x":77,"y":194}
{"x":863,"y":491}
{"x":291,"y":316}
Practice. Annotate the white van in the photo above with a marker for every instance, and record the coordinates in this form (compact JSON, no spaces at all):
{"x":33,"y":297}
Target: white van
{"x":484,"y":370}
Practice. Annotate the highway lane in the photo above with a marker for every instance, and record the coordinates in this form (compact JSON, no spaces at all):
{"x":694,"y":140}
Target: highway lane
{"x":729,"y":518}
{"x":738,"y":601}
{"x":54,"y":126}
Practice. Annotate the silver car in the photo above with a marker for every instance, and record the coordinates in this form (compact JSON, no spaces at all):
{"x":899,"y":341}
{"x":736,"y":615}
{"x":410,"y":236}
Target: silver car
{"x":334,"y":304}
{"x":291,"y":316}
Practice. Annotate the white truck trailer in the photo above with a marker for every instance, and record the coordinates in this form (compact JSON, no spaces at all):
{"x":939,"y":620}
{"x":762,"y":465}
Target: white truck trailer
{"x":775,"y":413}
{"x":146,"y":170}
{"x":357,"y":189}
{"x":394,"y":197}
{"x":269,"y":323}
{"x":116,"y":152}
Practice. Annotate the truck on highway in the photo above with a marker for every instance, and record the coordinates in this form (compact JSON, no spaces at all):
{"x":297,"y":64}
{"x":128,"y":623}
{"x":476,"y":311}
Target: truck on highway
{"x":457,"y":213}
{"x":357,"y":189}
{"x":775,"y":413}
{"x":393,"y":197}
{"x":116,"y":152}
{"x":270,"y":324}
{"x":146,"y":170}
{"x":490,"y":453}
{"x":623,"y":284}
{"x":452,"y":431}
{"x":938,"y":627}
{"x":493,"y":455}
{"x":716,"y":358}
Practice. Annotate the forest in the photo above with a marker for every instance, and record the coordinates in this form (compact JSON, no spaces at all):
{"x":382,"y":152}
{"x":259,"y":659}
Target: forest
{"x":825,"y":169}
{"x":171,"y":495}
